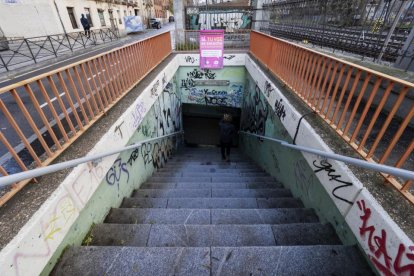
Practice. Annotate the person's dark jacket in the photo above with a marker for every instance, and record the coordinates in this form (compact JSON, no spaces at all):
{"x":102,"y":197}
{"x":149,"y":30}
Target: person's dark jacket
{"x":227,"y":132}
{"x":84,"y":22}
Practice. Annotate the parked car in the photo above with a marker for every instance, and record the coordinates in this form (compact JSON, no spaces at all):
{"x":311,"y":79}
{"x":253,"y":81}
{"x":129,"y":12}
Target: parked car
{"x":171,"y":19}
{"x":155,"y":24}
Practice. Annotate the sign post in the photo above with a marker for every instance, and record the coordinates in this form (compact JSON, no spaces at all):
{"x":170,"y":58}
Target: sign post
{"x":211,"y":49}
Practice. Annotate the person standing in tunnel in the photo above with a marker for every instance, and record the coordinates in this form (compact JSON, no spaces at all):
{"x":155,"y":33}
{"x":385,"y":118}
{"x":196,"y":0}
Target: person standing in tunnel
{"x":227,"y":132}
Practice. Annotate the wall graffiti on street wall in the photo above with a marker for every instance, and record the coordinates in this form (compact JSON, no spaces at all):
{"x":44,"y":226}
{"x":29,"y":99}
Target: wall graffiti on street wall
{"x":327,"y":167}
{"x":134,"y":156}
{"x":401,"y":264}
{"x":63,"y":212}
{"x":230,"y":95}
{"x":228,"y":20}
{"x":255,"y":112}
{"x":156,"y":154}
{"x":229,"y":57}
{"x":280,"y":109}
{"x":190,"y":59}
{"x":154,"y":89}
{"x":268,"y":89}
{"x":167,"y":111}
{"x":138,"y":114}
{"x":114,"y":174}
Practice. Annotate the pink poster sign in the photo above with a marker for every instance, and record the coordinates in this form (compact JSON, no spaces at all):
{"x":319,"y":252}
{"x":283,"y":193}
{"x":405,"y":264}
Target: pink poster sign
{"x":211,"y":49}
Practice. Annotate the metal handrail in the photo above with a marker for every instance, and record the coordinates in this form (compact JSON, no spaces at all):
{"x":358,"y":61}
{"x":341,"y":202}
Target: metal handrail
{"x":10,"y":179}
{"x":406,"y":174}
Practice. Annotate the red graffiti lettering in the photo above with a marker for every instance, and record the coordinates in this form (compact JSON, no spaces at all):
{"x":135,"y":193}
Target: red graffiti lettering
{"x":379,"y":250}
{"x":363,"y":229}
{"x":406,"y":269}
{"x":382,"y":248}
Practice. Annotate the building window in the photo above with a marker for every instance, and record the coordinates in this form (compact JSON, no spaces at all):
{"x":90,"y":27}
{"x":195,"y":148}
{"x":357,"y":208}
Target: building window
{"x":88,"y":16}
{"x":72,"y":17}
{"x":130,"y":12}
{"x":101,"y":17}
{"x":125,"y":13}
{"x":119,"y":17}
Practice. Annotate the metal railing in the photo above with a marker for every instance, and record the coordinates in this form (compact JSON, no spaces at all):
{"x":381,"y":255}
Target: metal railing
{"x":371,"y":111}
{"x":188,"y":40}
{"x":26,"y":51}
{"x":10,"y":179}
{"x":44,"y":115}
{"x":365,"y":28}
{"x":337,"y":38}
{"x":406,"y":174}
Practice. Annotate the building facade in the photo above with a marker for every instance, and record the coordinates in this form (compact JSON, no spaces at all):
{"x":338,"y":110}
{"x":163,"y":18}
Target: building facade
{"x":31,"y":18}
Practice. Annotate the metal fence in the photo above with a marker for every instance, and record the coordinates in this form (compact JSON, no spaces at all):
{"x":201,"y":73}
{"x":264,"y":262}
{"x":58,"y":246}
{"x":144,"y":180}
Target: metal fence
{"x":188,"y":40}
{"x":375,"y":29}
{"x":371,"y":111}
{"x":42,"y":116}
{"x":20,"y":52}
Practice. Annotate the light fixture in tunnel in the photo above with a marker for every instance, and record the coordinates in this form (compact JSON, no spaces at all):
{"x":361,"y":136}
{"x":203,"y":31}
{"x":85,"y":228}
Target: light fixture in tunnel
{"x":211,"y":82}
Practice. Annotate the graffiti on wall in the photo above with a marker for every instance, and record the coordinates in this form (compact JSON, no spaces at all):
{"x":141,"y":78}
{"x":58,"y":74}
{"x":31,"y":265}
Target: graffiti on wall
{"x":255,"y":111}
{"x":114,"y":174}
{"x":167,"y":111}
{"x":268,"y":89}
{"x":400,"y":264}
{"x":218,"y":19}
{"x":229,"y":57}
{"x":154,"y":89}
{"x":158,"y":153}
{"x":63,"y":213}
{"x":138,"y":114}
{"x":190,"y":59}
{"x":118,"y":129}
{"x":95,"y":173}
{"x":280,"y":109}
{"x":212,"y":95}
{"x":325,"y":166}
{"x":208,"y":96}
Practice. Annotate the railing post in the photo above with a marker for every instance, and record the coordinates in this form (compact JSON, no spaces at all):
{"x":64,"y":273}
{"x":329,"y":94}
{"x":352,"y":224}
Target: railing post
{"x":70,"y":46}
{"x":95,"y":41}
{"x":30,"y":50}
{"x":81,"y":37}
{"x":4,"y":63}
{"x":51,"y":44}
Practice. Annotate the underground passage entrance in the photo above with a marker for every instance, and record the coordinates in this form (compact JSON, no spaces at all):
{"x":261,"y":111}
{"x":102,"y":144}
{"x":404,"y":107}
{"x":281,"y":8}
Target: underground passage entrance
{"x":193,"y":210}
{"x":171,"y":206}
{"x":201,"y":124}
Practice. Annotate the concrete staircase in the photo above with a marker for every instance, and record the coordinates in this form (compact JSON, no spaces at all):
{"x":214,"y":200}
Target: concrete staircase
{"x":202,"y":216}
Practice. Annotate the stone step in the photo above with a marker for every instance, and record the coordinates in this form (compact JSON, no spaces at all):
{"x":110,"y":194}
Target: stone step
{"x":189,"y":173}
{"x":210,"y":216}
{"x":206,"y":185}
{"x":207,"y":169}
{"x":181,"y":179}
{"x":224,"y":165}
{"x":211,"y":203}
{"x":184,"y":193}
{"x":246,"y":179}
{"x":216,"y":159}
{"x":212,"y":235}
{"x":253,"y":260}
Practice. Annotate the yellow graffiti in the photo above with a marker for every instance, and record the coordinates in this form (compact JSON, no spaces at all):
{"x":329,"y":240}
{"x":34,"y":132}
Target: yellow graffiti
{"x":66,"y":211}
{"x":54,"y":229}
